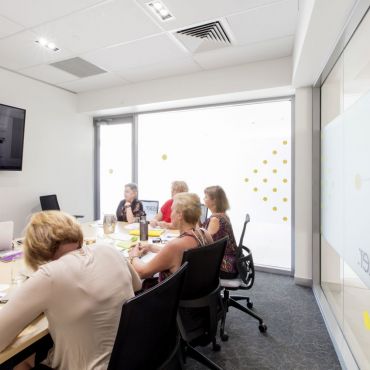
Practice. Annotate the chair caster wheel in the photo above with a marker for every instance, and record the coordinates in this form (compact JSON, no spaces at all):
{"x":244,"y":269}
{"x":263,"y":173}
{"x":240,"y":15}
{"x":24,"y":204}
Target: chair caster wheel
{"x":224,"y":337}
{"x":262,"y":328}
{"x":216,"y":347}
{"x":250,"y":305}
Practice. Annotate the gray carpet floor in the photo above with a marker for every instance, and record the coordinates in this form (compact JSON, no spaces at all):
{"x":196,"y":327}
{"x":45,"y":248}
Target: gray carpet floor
{"x":296,"y":339}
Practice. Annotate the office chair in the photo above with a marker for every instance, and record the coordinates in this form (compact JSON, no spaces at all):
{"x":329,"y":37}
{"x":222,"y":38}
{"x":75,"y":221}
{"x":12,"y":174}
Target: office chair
{"x":203,"y":216}
{"x":150,"y":208}
{"x":50,"y":203}
{"x":200,"y":307}
{"x":244,"y":281}
{"x":147,"y":336}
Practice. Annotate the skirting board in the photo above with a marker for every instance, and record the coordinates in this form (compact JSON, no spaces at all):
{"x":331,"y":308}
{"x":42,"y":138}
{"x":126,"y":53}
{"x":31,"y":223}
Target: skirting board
{"x":303,"y":281}
{"x":272,"y":270}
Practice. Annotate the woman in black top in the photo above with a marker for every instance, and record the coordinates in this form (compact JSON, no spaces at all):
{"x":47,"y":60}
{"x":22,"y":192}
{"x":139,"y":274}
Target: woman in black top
{"x":130,"y":208}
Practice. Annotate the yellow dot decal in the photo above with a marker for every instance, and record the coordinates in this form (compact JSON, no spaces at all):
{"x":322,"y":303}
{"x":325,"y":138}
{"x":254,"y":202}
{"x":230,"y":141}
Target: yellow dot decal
{"x":274,"y":209}
{"x":274,"y":170}
{"x":285,"y":142}
{"x":285,"y":161}
{"x":274,"y":190}
{"x":255,"y":170}
{"x":265,"y":199}
{"x":110,"y":171}
{"x":285,"y":219}
{"x":246,"y":179}
{"x":274,"y":152}
{"x":285,"y":199}
{"x":255,"y":189}
{"x":285,"y":181}
{"x":264,"y":180}
{"x":164,"y":157}
{"x":264,"y":161}
{"x":367,"y":320}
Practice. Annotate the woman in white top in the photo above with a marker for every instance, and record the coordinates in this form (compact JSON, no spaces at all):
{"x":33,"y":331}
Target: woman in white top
{"x":80,"y":290}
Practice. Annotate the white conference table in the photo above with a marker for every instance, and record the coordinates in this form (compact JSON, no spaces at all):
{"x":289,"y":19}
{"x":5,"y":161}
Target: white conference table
{"x":37,"y":329}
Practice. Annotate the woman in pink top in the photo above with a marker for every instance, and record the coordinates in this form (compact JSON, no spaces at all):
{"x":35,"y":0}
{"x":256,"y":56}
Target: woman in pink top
{"x":80,"y":290}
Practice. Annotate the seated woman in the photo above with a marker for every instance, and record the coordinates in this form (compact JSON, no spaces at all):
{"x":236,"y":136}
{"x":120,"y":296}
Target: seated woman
{"x":80,"y":289}
{"x":219,"y":225}
{"x":163,"y":217}
{"x":185,"y":216}
{"x":130,"y":208}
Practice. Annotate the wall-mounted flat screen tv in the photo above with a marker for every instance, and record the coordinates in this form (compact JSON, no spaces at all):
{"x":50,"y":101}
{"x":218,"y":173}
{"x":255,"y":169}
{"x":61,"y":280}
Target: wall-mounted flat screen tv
{"x":12,"y":121}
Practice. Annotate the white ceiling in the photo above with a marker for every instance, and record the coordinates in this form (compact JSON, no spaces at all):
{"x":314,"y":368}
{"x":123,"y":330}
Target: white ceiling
{"x":131,"y":44}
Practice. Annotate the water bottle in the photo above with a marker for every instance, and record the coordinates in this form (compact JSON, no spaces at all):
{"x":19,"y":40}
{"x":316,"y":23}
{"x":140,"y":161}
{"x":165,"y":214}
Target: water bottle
{"x":144,"y":225}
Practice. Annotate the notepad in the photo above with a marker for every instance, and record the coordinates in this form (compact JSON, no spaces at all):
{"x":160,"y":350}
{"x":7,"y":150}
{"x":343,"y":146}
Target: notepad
{"x":152,"y":233}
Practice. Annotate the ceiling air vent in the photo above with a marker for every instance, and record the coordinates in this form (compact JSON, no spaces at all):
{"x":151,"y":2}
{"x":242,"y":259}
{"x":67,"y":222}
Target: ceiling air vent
{"x":78,"y":67}
{"x":204,"y":37}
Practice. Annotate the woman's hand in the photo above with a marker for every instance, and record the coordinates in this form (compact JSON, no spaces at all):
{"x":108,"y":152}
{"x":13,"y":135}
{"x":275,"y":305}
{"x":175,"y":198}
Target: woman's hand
{"x":163,"y":224}
{"x":154,"y":223}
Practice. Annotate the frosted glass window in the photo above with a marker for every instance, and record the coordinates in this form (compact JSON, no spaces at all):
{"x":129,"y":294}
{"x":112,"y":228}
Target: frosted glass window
{"x":244,"y":148}
{"x":115,"y":164}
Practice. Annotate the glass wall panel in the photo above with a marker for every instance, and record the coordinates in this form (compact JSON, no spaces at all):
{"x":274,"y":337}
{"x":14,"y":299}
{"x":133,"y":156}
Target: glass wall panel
{"x":244,"y":148}
{"x":115,"y":164}
{"x":345,"y":258}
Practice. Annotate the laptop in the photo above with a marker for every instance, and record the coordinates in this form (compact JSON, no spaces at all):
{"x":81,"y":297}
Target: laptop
{"x":6,"y":235}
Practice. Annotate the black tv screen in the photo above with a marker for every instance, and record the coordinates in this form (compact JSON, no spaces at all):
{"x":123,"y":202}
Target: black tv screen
{"x":12,"y":121}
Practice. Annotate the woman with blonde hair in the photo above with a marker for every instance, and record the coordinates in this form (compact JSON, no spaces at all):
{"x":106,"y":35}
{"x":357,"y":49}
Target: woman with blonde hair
{"x":185,"y":215}
{"x":80,"y":289}
{"x":219,"y":226}
{"x":163,"y":217}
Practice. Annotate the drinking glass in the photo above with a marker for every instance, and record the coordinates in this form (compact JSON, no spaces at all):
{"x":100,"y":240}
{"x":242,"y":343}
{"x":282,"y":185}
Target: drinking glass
{"x":109,"y":223}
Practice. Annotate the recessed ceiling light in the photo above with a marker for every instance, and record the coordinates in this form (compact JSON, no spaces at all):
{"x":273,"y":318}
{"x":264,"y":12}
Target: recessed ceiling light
{"x":160,"y":10}
{"x":47,"y":44}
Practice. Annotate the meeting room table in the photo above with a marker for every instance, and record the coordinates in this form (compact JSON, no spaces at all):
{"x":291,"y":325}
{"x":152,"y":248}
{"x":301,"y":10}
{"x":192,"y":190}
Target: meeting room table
{"x":14,"y":272}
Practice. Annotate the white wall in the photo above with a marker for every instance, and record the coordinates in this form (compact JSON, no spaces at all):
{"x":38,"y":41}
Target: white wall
{"x":303,"y":185}
{"x":58,"y":152}
{"x":243,"y":78}
{"x":320,"y":25}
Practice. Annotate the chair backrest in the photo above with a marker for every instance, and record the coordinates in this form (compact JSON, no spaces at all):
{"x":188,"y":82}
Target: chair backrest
{"x":244,"y":263}
{"x":203,"y":275}
{"x":203,"y":215}
{"x":147,"y":331}
{"x":49,"y":203}
{"x":150,"y":208}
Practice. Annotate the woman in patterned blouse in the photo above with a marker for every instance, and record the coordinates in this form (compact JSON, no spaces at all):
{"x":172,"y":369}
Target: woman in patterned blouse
{"x":130,"y":208}
{"x":219,"y":225}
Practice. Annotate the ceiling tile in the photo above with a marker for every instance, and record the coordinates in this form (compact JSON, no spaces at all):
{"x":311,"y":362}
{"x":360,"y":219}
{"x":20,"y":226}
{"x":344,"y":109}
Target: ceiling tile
{"x":110,"y":23}
{"x":271,"y":49}
{"x":147,"y":51}
{"x":269,"y":22}
{"x":21,"y":51}
{"x":166,"y":68}
{"x":48,"y":74}
{"x":189,"y":12}
{"x":8,"y":27}
{"x":101,"y":81}
{"x":30,"y":13}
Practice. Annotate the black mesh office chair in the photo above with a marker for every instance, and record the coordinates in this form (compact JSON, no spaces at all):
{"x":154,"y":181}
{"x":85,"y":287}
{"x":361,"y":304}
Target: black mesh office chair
{"x":150,"y":208}
{"x":147,"y":336}
{"x":50,"y":203}
{"x":244,"y":281}
{"x":200,"y":306}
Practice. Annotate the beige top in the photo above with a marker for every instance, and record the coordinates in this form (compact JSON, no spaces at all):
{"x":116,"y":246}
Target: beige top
{"x":81,"y":295}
